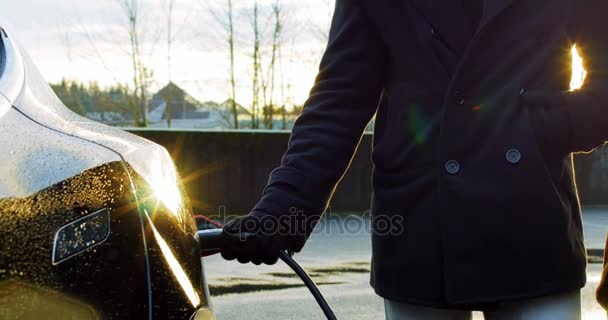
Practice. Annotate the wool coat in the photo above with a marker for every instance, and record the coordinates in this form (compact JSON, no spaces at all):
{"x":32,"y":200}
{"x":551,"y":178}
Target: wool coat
{"x":474,"y":198}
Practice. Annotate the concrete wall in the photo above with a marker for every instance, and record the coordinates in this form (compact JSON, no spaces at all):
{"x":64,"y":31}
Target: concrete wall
{"x":230,"y":168}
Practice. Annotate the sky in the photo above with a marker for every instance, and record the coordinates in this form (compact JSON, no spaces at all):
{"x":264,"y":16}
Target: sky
{"x":87,"y":40}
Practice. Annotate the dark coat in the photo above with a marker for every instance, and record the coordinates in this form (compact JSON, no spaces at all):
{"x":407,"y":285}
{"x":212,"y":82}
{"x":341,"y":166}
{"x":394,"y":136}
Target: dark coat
{"x":472,"y":145}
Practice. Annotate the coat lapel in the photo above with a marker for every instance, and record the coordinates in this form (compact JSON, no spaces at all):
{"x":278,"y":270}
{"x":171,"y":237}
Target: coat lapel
{"x":449,"y":20}
{"x":447,"y":16}
{"x":491,"y":10}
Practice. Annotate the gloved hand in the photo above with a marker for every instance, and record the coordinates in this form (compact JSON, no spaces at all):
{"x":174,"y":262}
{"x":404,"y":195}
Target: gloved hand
{"x":254,"y":241}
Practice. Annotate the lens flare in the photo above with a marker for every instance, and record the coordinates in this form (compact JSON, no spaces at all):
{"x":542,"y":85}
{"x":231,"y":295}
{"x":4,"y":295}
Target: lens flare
{"x":578,"y":70}
{"x":164,"y":184}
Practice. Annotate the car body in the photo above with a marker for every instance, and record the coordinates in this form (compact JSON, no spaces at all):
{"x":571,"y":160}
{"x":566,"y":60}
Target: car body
{"x":94,"y":221}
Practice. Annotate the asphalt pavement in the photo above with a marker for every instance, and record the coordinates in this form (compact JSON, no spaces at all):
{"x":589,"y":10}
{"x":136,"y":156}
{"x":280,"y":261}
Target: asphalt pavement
{"x":339,"y":262}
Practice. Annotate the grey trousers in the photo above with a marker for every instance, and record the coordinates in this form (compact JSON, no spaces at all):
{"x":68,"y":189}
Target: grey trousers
{"x":566,"y":306}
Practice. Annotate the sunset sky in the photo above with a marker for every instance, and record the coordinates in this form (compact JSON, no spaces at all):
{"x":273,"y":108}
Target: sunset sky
{"x":88,"y":41}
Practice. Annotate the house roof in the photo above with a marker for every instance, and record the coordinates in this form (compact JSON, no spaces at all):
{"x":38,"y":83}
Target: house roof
{"x":241,"y":110}
{"x":174,"y":89}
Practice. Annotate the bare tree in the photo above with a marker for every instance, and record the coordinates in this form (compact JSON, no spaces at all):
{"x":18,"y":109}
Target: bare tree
{"x":168,"y":102}
{"x":256,"y":67}
{"x":235,"y":111}
{"x":283,"y":98}
{"x":227,"y":22}
{"x":141,"y":74}
{"x":269,"y":104}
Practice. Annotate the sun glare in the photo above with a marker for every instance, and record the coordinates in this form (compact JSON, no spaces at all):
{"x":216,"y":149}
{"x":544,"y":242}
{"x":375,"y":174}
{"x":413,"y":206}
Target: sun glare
{"x":164,"y":185}
{"x":578,"y":71}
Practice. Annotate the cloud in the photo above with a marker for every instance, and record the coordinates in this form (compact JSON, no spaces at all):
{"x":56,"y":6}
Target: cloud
{"x":88,"y":41}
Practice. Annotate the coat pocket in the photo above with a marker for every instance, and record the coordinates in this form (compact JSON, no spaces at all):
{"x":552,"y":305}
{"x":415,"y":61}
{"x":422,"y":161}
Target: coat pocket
{"x":550,"y":129}
{"x":549,"y":121}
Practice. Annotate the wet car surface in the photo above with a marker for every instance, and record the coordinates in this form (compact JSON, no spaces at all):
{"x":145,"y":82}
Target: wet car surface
{"x":94,"y":221}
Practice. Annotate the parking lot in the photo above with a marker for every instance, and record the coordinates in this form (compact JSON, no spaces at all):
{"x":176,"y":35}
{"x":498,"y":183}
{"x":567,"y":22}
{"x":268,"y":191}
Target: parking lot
{"x":340,"y":263}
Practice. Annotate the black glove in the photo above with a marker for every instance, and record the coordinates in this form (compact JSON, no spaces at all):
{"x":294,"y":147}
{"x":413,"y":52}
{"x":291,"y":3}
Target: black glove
{"x":255,"y":239}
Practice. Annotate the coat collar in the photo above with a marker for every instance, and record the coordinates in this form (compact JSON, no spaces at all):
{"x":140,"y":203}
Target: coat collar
{"x":492,"y":9}
{"x":444,"y":14}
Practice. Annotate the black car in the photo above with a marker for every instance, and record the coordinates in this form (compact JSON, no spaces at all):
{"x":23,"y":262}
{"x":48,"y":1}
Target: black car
{"x":94,"y":221}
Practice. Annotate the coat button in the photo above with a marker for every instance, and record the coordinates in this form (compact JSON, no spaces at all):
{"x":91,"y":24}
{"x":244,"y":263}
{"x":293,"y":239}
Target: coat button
{"x":459,"y":97}
{"x":452,"y":167}
{"x":522,"y":92}
{"x":513,"y":156}
{"x":434,"y":33}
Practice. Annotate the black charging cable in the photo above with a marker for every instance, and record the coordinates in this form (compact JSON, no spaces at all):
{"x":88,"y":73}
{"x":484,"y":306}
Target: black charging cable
{"x":314,"y":290}
{"x":212,"y":241}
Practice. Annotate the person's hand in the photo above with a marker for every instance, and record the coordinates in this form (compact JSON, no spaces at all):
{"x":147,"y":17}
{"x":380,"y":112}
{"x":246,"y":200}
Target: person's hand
{"x":253,"y":241}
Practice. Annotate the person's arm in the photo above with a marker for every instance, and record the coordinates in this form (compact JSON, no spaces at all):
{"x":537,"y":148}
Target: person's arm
{"x":602,"y":290}
{"x":325,"y":136}
{"x":587,"y":108}
{"x":583,"y":112}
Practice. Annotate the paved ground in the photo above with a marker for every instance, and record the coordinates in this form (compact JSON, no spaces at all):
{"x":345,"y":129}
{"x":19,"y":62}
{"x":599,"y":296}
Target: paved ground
{"x":354,"y":301}
{"x":595,"y":223}
{"x":341,"y":262}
